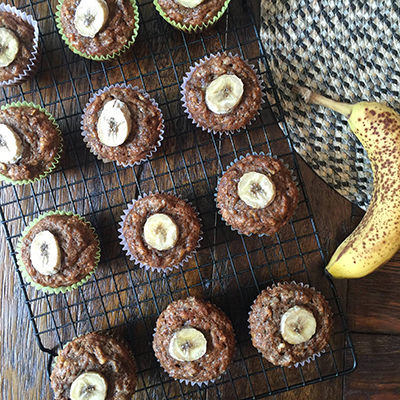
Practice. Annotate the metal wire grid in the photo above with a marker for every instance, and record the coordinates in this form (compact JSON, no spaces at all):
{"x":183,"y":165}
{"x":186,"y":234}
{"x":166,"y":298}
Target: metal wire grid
{"x":228,"y":269}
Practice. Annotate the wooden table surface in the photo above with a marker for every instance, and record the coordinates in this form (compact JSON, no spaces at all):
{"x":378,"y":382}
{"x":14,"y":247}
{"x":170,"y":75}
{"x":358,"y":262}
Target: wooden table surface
{"x":372,"y":305}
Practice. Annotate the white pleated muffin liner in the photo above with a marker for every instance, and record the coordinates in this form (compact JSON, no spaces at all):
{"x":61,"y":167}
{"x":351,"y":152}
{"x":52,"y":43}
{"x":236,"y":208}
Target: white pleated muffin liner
{"x":30,"y":68}
{"x":189,"y":75}
{"x":261,"y":153}
{"x":125,"y":246}
{"x":147,"y":96}
{"x":313,"y":356}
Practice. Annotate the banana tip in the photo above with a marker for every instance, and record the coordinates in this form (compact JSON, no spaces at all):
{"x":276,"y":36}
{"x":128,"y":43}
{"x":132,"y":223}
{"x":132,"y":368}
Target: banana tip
{"x":302,"y":91}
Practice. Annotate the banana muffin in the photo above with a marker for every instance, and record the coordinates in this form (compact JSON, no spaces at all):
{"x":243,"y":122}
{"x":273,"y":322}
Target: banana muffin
{"x":98,"y":29}
{"x":290,"y":323}
{"x":222,"y":93}
{"x":191,"y":15}
{"x":19,"y":46}
{"x":30,"y":143}
{"x":58,"y":251}
{"x":257,"y":195}
{"x":94,"y":366}
{"x":122,"y":123}
{"x":194,"y":341}
{"x":160,"y":231}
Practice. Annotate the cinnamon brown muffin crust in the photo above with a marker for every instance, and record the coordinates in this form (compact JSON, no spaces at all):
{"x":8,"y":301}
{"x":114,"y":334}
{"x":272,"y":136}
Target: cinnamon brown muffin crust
{"x":78,"y":247}
{"x":41,"y":142}
{"x":196,"y":16}
{"x":215,"y":326}
{"x":265,"y":318}
{"x":183,"y":216}
{"x":244,"y":218}
{"x":95,"y":353}
{"x":112,"y":38}
{"x":26,"y":35}
{"x":194,"y":89}
{"x":147,"y":125}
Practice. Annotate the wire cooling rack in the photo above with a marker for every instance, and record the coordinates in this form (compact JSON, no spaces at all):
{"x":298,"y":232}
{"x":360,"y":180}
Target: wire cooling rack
{"x":228,"y":269}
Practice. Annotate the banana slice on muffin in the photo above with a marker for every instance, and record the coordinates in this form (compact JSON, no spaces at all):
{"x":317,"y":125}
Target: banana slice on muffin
{"x":187,"y":344}
{"x":9,"y":46}
{"x":90,"y":17}
{"x":114,"y":125}
{"x":10,"y":145}
{"x":89,"y":386}
{"x":224,"y":94}
{"x":45,"y":253}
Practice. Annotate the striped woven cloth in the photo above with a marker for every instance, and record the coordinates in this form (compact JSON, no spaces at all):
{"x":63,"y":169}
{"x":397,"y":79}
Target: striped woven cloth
{"x":346,"y":50}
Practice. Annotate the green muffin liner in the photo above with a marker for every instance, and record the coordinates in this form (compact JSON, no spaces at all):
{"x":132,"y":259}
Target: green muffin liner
{"x":56,"y":158}
{"x":107,"y":57}
{"x":60,"y":289}
{"x":192,"y":28}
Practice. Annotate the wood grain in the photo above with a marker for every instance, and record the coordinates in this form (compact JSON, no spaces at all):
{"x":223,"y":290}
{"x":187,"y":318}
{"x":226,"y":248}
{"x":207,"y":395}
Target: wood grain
{"x":378,"y":372}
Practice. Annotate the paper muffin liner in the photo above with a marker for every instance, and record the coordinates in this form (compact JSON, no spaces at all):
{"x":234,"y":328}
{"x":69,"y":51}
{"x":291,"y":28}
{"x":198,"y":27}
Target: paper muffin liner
{"x":147,"y":96}
{"x":316,"y":354}
{"x":261,"y":153}
{"x":192,"y":28}
{"x":189,"y":75}
{"x":60,"y":289}
{"x":125,"y":246}
{"x":34,"y":61}
{"x":106,"y":57}
{"x":6,"y":179}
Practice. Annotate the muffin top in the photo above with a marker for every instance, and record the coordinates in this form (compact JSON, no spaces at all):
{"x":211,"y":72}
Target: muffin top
{"x":191,"y":12}
{"x":222,"y":93}
{"x":194,"y":340}
{"x":114,"y":24}
{"x":19,"y":45}
{"x":122,"y":124}
{"x":290,"y":323}
{"x":30,"y":142}
{"x":160,"y":231}
{"x":257,"y":195}
{"x":94,"y":362}
{"x":59,"y":250}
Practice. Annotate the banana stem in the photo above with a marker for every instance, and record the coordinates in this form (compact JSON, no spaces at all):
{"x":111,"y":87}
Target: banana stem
{"x":311,"y":97}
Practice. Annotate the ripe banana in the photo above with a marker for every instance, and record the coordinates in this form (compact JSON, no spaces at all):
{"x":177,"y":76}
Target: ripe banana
{"x":298,"y":325}
{"x":114,"y":124}
{"x":10,"y":145}
{"x":160,"y":232}
{"x":224,"y":94}
{"x":187,"y":344}
{"x":9,"y":46}
{"x":377,"y":237}
{"x":45,"y":253}
{"x":189,"y":3}
{"x":256,"y":189}
{"x":90,"y":17}
{"x":89,"y":386}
